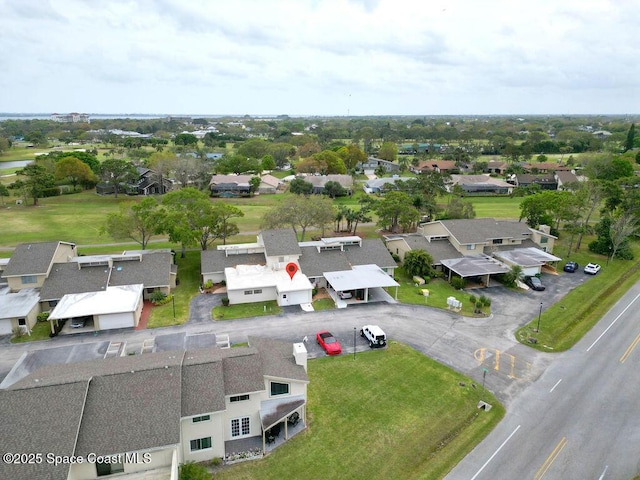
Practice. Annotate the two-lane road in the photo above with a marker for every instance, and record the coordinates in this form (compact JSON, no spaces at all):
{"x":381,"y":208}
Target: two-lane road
{"x":581,"y":419}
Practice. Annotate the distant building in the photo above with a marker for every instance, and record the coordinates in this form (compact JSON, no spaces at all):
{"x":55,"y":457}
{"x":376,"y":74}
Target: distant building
{"x":70,"y":117}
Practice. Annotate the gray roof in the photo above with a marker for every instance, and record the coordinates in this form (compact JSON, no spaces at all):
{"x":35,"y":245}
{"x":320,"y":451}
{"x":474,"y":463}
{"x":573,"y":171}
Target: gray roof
{"x":314,"y":263}
{"x":20,"y":304}
{"x":153,"y":271}
{"x":478,"y":230}
{"x":372,"y":252}
{"x":67,"y":278}
{"x":42,"y":420}
{"x":277,"y":358}
{"x":131,"y":411}
{"x":217,"y":260}
{"x":243,"y":371}
{"x":476,"y":266}
{"x":438,"y":249}
{"x":321,"y":180}
{"x":31,"y":259}
{"x":281,"y":241}
{"x":202,"y":382}
{"x":379,"y":182}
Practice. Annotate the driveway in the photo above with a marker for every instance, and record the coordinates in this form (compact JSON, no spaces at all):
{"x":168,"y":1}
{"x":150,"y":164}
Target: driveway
{"x":201,"y":306}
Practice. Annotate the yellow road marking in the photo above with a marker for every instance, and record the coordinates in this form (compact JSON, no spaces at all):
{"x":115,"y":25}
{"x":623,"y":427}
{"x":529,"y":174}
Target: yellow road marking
{"x":479,"y":355}
{"x":630,"y":349}
{"x":550,"y":459}
{"x":513,"y":366}
{"x":497,"y":367}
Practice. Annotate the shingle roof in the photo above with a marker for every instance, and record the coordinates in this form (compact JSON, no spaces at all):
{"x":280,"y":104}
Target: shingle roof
{"x":277,"y":359}
{"x":478,"y":230}
{"x":438,"y":249}
{"x":31,"y":259}
{"x":67,"y":278}
{"x":202,"y":382}
{"x":216,"y":260}
{"x":313,"y":263}
{"x":243,"y":371}
{"x":281,"y":241}
{"x":153,"y":271}
{"x":43,"y":420}
{"x":372,"y":252}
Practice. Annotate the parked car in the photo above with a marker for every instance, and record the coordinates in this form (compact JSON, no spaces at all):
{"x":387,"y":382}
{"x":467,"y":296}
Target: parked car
{"x":534,"y":283}
{"x":345,"y":295}
{"x":329,"y":343}
{"x":592,"y":268}
{"x":79,"y":322}
{"x":375,"y":335}
{"x":571,"y":267}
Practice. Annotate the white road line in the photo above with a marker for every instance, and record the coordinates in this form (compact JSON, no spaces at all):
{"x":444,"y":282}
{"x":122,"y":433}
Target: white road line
{"x":611,"y":324}
{"x":605,"y":471}
{"x":554,"y":387}
{"x":495,"y":453}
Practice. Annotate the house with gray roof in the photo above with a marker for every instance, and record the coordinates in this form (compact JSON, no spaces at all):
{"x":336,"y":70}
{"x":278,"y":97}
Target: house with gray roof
{"x":319,"y":181}
{"x":480,"y":185}
{"x":255,"y":272}
{"x":378,"y":185}
{"x":141,"y":416}
{"x":31,"y":263}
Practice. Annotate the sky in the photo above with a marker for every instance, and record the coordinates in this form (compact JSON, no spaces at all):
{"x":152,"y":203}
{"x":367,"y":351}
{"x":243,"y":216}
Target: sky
{"x":320,"y":57}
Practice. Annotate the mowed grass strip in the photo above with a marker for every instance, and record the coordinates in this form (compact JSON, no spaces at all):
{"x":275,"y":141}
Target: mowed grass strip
{"x":568,"y":320}
{"x":246,"y":310}
{"x":388,"y":414}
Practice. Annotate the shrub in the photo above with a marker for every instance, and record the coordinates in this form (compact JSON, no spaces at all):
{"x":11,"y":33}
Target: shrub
{"x":43,"y":317}
{"x":457,"y":283}
{"x":478,"y":307}
{"x":208,"y":284}
{"x":314,"y":292}
{"x":193,"y":471}
{"x":18,"y":332}
{"x":215,"y":461}
{"x":157,"y":297}
{"x":486,"y":301}
{"x":472,"y":299}
{"x":225,"y":301}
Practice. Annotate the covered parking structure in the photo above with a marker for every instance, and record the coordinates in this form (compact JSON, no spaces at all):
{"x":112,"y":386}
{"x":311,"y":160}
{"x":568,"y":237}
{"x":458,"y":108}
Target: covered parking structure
{"x":360,"y":280}
{"x":474,"y":266}
{"x":531,"y":259}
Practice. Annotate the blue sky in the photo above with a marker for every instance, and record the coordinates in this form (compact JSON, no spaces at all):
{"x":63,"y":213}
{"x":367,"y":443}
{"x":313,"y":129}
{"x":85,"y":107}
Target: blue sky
{"x":320,"y":57}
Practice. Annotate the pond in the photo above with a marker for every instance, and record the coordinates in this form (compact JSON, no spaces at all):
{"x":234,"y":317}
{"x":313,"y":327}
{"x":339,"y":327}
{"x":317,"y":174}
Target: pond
{"x":15,"y":164}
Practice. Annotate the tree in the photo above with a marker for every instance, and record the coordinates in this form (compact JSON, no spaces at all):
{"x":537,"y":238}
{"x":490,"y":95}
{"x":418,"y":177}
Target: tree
{"x":186,"y":213}
{"x":418,"y":263}
{"x":268,"y":163}
{"x":162,"y":164}
{"x":391,"y":207}
{"x":388,"y":151}
{"x":330,"y":163}
{"x":300,"y":187}
{"x":223,"y":228}
{"x":631,"y":135}
{"x":351,"y":155}
{"x":254,"y":148}
{"x":185,"y":139}
{"x":36,"y":181}
{"x":458,"y":208}
{"x":76,"y":171}
{"x":137,"y":221}
{"x":298,"y":211}
{"x":334,"y":189}
{"x":362,"y":215}
{"x":254,"y":184}
{"x":118,"y":173}
{"x":4,"y":192}
{"x":5,"y":144}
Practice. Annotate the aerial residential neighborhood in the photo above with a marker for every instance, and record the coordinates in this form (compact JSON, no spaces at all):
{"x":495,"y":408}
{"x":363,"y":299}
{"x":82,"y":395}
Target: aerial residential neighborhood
{"x":319,"y":240}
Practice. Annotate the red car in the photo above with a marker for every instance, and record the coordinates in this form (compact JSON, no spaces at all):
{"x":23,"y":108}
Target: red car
{"x":329,"y":343}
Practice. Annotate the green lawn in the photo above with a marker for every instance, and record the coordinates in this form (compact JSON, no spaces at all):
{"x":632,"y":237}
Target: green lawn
{"x":246,"y":310}
{"x":567,"y":321}
{"x":324,"y":304}
{"x":188,"y":287}
{"x":496,"y":207}
{"x":40,"y":331}
{"x":391,"y":413}
{"x":439,"y":291}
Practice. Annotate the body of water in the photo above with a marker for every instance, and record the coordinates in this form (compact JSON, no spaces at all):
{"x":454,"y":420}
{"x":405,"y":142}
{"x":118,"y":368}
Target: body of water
{"x":15,"y":164}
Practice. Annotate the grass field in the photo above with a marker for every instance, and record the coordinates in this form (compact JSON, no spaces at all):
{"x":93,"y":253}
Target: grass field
{"x":246,"y":310}
{"x":391,"y":413}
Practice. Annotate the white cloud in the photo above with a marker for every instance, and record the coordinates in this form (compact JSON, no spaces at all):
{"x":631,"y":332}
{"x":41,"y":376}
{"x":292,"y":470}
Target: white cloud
{"x":321,"y":57}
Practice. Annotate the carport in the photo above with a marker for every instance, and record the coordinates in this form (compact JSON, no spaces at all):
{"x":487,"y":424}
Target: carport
{"x":360,"y":279}
{"x":531,"y":259}
{"x":482,"y":266}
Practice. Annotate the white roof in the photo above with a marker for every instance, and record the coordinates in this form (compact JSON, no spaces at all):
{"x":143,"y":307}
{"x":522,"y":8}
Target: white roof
{"x":361,"y":276}
{"x":119,"y":299}
{"x":529,"y":256}
{"x":20,"y":304}
{"x":260,"y":276}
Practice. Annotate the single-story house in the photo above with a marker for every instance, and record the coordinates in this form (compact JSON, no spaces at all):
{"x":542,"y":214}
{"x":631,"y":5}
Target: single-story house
{"x":18,"y":310}
{"x":31,"y":263}
{"x":565,"y":178}
{"x":148,"y":182}
{"x":496,"y":167}
{"x":440,"y":166}
{"x":546,"y":182}
{"x":480,"y":185}
{"x":319,"y":181}
{"x":255,"y":272}
{"x":377,"y":185}
{"x":221,"y":185}
{"x":144,"y":415}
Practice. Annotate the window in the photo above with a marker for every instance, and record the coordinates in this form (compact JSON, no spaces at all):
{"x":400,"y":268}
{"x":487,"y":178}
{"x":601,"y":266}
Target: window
{"x":201,"y":418}
{"x":103,"y":468}
{"x":200,"y":444}
{"x":248,"y":292}
{"x":53,"y":303}
{"x":22,"y":322}
{"x":497,"y":241}
{"x":544,"y":239}
{"x":471,"y":246}
{"x":257,"y":291}
{"x":281,"y":259}
{"x":279,"y":389}
{"x":240,"y":427}
{"x":239,"y":398}
{"x":27,"y":279}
